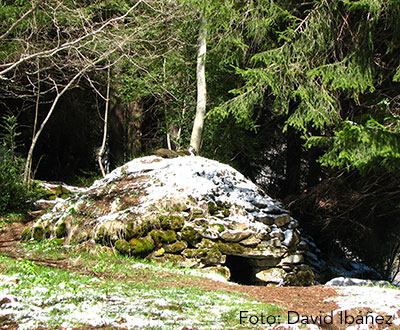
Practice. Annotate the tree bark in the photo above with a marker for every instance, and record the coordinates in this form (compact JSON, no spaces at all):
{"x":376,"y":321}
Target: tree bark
{"x":293,"y":162}
{"x":133,"y":138}
{"x":197,"y":132}
{"x":105,"y":133}
{"x":293,"y":156}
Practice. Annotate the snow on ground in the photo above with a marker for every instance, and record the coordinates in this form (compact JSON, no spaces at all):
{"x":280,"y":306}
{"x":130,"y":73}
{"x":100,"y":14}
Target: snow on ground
{"x":379,"y":299}
{"x":122,"y":305}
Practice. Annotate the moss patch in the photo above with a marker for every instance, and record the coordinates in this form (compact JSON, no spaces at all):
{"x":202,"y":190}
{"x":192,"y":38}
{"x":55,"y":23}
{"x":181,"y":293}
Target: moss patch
{"x":174,"y":222}
{"x":101,"y":235}
{"x":136,"y":230}
{"x":122,"y":246}
{"x":61,"y":230}
{"x":214,"y":257}
{"x":194,"y":253}
{"x":163,"y":236}
{"x":141,"y":246}
{"x":176,"y":247}
{"x":190,"y":235}
{"x":230,"y":248}
{"x":38,"y":233}
{"x":212,"y":208}
{"x":26,"y":234}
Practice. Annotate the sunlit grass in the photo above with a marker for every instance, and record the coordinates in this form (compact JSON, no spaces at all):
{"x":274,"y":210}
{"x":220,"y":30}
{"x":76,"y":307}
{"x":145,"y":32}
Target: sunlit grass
{"x":48,"y":296}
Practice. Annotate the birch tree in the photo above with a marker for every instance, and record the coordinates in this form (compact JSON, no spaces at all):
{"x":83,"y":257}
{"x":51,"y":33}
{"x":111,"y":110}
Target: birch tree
{"x":197,"y":132}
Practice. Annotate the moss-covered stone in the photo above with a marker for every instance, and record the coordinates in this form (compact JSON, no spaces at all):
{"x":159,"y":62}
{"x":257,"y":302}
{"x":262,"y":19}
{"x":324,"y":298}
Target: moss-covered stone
{"x":176,"y":247}
{"x":219,"y":209}
{"x":196,"y":213}
{"x":141,"y":246}
{"x":219,"y":227}
{"x":178,"y":260}
{"x":172,"y":221}
{"x":175,"y":259}
{"x":61,"y":230}
{"x":62,"y":192}
{"x":205,"y":244}
{"x":301,"y":276}
{"x":212,"y":208}
{"x":221,"y":270}
{"x":194,"y":253}
{"x":214,"y":257}
{"x":47,"y":232}
{"x":190,"y":235}
{"x":26,"y":234}
{"x":101,"y":235}
{"x":230,"y":248}
{"x":134,"y":230}
{"x":163,"y":236}
{"x":122,"y":246}
{"x":225,"y":212}
{"x":38,"y":233}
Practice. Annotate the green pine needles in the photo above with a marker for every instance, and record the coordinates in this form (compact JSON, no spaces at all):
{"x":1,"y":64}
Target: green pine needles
{"x":338,"y":64}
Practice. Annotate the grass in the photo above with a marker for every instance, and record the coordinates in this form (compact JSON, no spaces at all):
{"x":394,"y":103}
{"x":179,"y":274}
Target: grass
{"x":104,"y":288}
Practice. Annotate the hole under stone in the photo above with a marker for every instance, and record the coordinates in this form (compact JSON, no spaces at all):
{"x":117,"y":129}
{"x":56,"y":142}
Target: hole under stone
{"x":242,"y":270}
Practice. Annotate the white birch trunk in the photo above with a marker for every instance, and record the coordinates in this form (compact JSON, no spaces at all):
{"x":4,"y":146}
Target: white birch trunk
{"x":105,"y":132}
{"x":197,"y":132}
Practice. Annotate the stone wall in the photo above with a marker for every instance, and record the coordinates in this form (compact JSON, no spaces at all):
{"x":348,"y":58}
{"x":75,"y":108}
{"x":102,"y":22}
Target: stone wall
{"x":219,"y":221}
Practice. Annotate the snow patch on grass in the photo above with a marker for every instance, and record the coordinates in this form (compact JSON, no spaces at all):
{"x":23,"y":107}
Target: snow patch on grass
{"x":65,"y":299}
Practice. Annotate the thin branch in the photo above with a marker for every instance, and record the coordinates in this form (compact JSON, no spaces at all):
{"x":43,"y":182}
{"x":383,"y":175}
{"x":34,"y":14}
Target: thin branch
{"x":12,"y":27}
{"x":67,"y":45}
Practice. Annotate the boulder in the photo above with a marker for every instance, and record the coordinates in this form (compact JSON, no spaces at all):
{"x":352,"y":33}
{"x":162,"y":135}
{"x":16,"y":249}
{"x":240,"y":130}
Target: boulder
{"x":219,"y":270}
{"x":347,"y":281}
{"x":235,"y":236}
{"x":272,"y":275}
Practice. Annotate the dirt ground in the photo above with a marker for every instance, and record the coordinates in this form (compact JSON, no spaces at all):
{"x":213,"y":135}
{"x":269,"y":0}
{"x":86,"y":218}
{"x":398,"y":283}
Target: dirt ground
{"x":304,"y":300}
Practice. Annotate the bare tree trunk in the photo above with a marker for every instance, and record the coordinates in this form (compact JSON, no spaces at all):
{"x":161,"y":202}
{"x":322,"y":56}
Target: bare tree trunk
{"x":28,"y":170}
{"x":134,"y":115}
{"x":197,"y":132}
{"x":28,"y":162}
{"x":103,"y":145}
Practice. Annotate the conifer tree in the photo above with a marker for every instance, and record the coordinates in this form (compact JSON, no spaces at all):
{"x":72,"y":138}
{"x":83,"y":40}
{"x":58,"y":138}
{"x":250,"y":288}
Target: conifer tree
{"x":338,"y":60}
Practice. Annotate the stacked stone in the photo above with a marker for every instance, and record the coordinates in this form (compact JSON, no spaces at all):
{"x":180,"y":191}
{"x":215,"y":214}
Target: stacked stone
{"x":229,"y":222}
{"x":204,"y":238}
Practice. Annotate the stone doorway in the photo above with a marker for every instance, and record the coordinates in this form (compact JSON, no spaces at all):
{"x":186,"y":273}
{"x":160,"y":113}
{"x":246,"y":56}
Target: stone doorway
{"x":242,"y":270}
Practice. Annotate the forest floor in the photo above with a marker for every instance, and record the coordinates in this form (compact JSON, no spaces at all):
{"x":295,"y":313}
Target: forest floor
{"x":32,"y":262}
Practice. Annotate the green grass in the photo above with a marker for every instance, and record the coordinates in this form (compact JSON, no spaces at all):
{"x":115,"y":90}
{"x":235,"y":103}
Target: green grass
{"x":126,"y":292}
